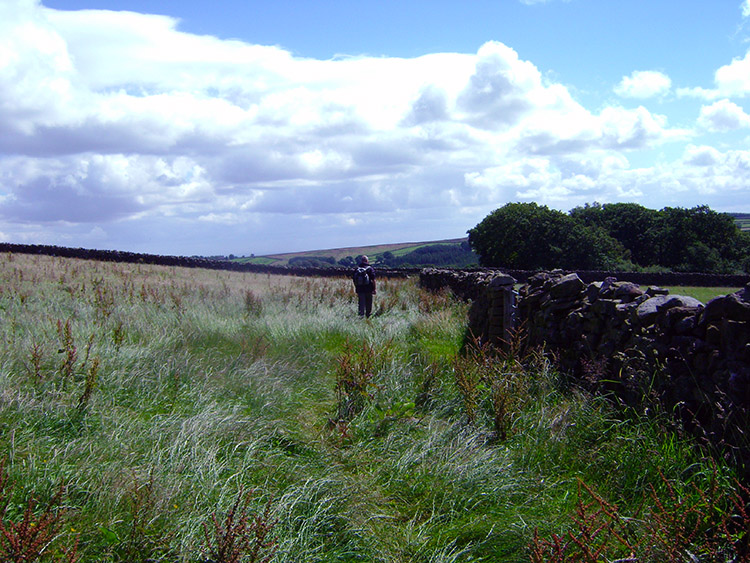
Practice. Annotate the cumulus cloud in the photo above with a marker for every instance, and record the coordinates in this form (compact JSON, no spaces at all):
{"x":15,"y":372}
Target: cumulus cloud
{"x":119,"y":127}
{"x":723,"y":116}
{"x":644,"y":84}
{"x":730,"y":81}
{"x":734,"y":79}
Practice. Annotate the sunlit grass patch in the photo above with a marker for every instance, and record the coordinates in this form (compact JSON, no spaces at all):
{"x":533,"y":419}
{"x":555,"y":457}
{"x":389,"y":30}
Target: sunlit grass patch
{"x":702,"y":294}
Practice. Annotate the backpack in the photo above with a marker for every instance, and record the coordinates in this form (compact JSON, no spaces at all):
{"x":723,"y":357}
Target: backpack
{"x":361,"y":277}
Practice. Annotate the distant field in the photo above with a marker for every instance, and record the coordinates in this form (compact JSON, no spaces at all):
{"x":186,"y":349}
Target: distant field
{"x":397,"y":249}
{"x":742,"y":220}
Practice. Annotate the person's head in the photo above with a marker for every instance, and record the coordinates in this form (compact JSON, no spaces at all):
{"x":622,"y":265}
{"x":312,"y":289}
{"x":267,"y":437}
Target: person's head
{"x":364,"y":260}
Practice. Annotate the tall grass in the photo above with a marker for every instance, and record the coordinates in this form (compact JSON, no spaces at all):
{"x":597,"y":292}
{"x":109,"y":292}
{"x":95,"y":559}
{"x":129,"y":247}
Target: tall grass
{"x":167,"y":414}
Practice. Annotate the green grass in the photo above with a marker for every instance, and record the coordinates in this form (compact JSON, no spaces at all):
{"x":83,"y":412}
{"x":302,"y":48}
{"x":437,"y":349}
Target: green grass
{"x":262,"y":260}
{"x":702,"y":294}
{"x":210,"y":383}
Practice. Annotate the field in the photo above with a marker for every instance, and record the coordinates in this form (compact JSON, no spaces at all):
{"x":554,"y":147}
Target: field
{"x":372,"y":251}
{"x":185,"y":415}
{"x":742,"y":220}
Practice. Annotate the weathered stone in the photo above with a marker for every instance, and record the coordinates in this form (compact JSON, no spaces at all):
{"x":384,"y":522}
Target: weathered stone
{"x":607,"y":287}
{"x":502,"y":281}
{"x":592,"y":291}
{"x":653,"y":291}
{"x":715,"y":309}
{"x":627,"y":291}
{"x":685,"y":325}
{"x":734,"y":335}
{"x":605,"y":308}
{"x":713,"y":335}
{"x":649,"y":309}
{"x":624,"y":309}
{"x":683,"y":301}
{"x":736,"y":307}
{"x":557,"y":305}
{"x":567,"y":287}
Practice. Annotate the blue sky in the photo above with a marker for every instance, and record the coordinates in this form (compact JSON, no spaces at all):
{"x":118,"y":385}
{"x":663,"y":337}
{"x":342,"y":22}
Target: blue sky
{"x":180,"y":127}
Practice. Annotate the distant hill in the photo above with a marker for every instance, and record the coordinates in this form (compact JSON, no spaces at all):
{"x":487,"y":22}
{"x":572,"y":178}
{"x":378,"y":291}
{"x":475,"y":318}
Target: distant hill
{"x":445,"y":253}
{"x":742,"y":220}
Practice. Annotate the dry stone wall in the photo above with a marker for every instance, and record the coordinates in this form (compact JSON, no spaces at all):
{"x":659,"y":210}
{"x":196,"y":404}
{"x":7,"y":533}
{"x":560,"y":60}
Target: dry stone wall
{"x":646,"y":347}
{"x":190,"y":261}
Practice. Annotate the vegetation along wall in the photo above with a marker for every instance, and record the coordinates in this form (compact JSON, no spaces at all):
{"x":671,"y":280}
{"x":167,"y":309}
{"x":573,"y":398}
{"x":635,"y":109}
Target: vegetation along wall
{"x":647,"y":348}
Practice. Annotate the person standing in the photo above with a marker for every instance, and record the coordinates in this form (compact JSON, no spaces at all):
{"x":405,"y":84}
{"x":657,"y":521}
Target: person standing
{"x":364,"y":284}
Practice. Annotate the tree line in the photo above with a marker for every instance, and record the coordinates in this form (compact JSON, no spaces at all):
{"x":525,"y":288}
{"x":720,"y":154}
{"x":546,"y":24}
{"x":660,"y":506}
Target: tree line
{"x":612,"y":237}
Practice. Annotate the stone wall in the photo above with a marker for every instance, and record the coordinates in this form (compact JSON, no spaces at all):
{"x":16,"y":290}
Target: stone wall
{"x":436,"y":278}
{"x":190,"y":261}
{"x":650,"y":349}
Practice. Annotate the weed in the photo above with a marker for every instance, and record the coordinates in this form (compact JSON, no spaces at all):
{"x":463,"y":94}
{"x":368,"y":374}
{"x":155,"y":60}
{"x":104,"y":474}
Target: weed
{"x":30,"y":538}
{"x":118,"y":334}
{"x":241,"y":536}
{"x":355,"y":370}
{"x":253,"y":303}
{"x":468,"y":380}
{"x":92,"y":376}
{"x":696,"y":524}
{"x":495,"y":377}
{"x":144,"y":540}
{"x":598,"y":532}
{"x":68,"y":349}
{"x":104,"y":299}
{"x":36,"y":354}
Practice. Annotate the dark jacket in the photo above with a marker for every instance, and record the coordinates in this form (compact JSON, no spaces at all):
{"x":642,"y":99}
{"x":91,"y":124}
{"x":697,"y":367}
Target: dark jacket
{"x":369,"y":288}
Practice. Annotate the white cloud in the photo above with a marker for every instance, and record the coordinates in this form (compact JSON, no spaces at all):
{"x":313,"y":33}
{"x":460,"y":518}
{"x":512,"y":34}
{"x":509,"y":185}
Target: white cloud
{"x":734,"y":79}
{"x":142,"y":129}
{"x":723,"y":116}
{"x":644,"y":84}
{"x":701,"y":156}
{"x":745,"y":7}
{"x":731,"y":81}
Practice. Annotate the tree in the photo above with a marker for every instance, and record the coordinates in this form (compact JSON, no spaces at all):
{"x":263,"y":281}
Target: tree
{"x":631,"y":224}
{"x":530,"y":236}
{"x":699,"y":240}
{"x":388,"y":259}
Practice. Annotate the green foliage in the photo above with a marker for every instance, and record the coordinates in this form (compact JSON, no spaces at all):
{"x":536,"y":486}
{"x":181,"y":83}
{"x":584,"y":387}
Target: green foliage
{"x":530,"y":236}
{"x":611,"y":237}
{"x":444,"y":255}
{"x":312,"y":261}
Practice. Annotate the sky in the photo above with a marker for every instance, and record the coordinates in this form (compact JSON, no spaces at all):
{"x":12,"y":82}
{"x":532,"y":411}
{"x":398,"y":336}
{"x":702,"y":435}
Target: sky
{"x":246,"y":127}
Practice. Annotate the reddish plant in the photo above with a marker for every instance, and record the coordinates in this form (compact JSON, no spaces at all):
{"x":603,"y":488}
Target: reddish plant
{"x":241,"y":536}
{"x":29,"y":538}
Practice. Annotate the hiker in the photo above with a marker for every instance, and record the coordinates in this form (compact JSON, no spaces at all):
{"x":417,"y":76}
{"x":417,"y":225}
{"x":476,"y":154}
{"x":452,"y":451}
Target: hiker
{"x":364,"y":284}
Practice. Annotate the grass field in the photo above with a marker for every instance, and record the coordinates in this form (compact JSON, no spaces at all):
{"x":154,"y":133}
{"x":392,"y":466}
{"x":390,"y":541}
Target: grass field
{"x":742,"y":220}
{"x":398,"y":249}
{"x":185,"y":415}
{"x":702,"y":294}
